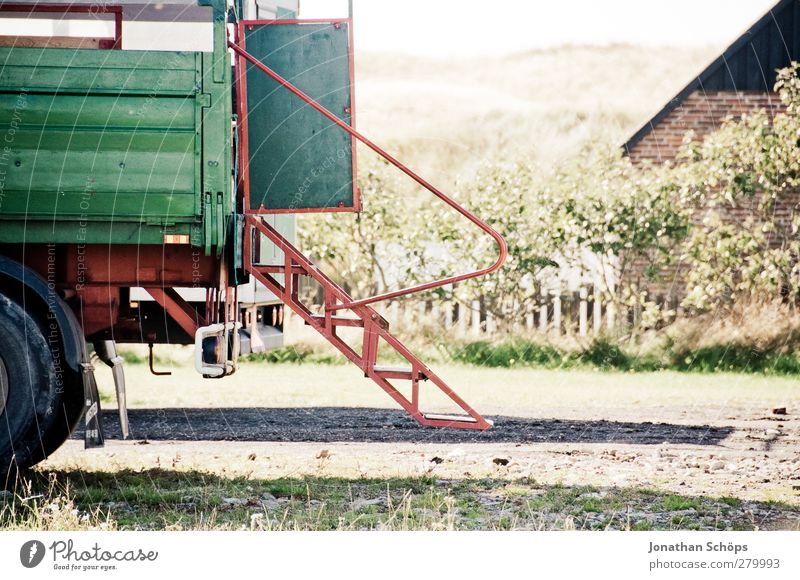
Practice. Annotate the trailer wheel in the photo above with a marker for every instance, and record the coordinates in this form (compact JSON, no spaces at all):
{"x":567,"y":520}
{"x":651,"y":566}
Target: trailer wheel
{"x":37,"y":390}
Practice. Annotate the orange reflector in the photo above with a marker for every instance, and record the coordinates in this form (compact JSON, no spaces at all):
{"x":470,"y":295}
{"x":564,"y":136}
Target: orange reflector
{"x":176,"y":238}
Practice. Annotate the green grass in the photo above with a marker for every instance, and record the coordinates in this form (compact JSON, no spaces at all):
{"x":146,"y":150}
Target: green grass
{"x":522,"y":391}
{"x":673,"y":503}
{"x":735,"y":358}
{"x":606,"y":355}
{"x":601,"y":354}
{"x":160,"y":499}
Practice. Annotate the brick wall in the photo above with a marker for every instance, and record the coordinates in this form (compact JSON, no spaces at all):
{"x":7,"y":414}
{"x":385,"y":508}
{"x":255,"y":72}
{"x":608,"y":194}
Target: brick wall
{"x":702,"y":113}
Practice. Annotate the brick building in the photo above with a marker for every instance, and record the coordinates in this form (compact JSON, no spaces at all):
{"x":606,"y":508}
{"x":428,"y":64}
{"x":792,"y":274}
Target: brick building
{"x":739,"y":81}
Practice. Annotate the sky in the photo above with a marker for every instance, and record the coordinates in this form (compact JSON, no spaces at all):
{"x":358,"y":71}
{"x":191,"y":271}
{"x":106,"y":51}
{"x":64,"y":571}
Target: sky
{"x":481,"y":27}
{"x":447,"y":28}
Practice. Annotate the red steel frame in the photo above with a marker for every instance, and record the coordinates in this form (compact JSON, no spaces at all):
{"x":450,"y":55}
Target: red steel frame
{"x":115,"y":43}
{"x":376,"y":329}
{"x":177,"y":308}
{"x":241,"y":98}
{"x":350,"y":303}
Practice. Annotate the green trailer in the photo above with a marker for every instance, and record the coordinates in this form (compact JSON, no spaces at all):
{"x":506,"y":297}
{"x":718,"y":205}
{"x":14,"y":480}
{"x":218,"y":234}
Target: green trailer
{"x":139,"y":190}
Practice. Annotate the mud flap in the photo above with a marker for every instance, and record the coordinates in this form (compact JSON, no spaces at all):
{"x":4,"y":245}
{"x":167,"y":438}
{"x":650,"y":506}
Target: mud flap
{"x":93,"y":425}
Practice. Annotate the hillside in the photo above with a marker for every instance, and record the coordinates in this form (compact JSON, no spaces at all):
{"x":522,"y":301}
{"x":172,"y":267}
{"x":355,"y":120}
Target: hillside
{"x":446,"y":116}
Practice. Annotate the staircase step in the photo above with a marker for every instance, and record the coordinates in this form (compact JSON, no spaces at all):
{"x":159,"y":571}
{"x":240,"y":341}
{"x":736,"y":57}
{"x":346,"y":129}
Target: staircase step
{"x":395,"y":372}
{"x":453,"y":418}
{"x":339,"y":320}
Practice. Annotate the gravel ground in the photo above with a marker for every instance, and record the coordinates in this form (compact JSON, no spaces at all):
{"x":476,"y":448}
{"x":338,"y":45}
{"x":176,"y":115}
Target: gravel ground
{"x":588,"y":450}
{"x":331,"y":424}
{"x":755,"y":457}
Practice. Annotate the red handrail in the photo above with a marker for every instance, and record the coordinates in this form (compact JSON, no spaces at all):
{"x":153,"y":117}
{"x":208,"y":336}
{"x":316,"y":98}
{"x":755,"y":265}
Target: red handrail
{"x":501,"y":243}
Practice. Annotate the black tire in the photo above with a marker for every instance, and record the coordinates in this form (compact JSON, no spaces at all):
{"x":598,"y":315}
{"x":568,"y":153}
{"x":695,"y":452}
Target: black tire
{"x":41,"y":400}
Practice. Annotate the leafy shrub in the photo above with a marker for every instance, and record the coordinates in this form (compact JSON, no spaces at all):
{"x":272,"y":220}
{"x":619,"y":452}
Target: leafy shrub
{"x":750,"y":165}
{"x":293,"y":354}
{"x":604,"y":354}
{"x":508,"y":354}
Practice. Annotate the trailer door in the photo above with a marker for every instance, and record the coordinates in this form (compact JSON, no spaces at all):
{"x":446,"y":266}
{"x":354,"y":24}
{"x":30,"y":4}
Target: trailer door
{"x":293,"y":159}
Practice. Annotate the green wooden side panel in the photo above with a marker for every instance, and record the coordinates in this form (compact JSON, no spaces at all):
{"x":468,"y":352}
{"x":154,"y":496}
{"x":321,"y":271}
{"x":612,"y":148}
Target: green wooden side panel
{"x":98,"y":71}
{"x":297,"y":158}
{"x":107,"y":145}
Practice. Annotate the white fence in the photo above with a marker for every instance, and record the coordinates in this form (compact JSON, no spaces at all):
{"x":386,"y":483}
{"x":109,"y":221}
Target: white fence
{"x":581,"y":313}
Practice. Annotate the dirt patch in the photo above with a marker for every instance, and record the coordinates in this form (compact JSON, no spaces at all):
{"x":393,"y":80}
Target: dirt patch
{"x":660,"y":450}
{"x":334,"y":424}
{"x":752,"y":458}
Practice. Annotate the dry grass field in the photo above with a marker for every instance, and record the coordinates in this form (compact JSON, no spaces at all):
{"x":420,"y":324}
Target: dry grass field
{"x":445,"y":117}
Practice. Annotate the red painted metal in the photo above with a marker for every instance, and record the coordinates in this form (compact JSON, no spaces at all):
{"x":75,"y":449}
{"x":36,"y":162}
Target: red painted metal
{"x":241,"y":126}
{"x":375,"y":329}
{"x":125,"y":265}
{"x":177,"y":308}
{"x":351,"y":56}
{"x":98,"y":307}
{"x":115,"y":43}
{"x":241,"y":99}
{"x":350,"y":303}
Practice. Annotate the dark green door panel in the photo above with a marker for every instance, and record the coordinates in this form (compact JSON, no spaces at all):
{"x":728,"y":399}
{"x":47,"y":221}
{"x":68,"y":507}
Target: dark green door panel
{"x":298,"y":159}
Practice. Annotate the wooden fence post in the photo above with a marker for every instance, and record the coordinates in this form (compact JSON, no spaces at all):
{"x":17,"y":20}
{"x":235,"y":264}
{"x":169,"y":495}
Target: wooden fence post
{"x":557,"y":314}
{"x":583,"y":313}
{"x":611,"y":315}
{"x":596,"y":312}
{"x":543,"y":313}
{"x":435,"y":313}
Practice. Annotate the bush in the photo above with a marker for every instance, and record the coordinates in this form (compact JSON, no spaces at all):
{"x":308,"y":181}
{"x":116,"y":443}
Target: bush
{"x":509,"y":354}
{"x":748,"y":164}
{"x":293,"y":354}
{"x":604,"y":354}
{"x":735,"y":358}
{"x":750,"y":336}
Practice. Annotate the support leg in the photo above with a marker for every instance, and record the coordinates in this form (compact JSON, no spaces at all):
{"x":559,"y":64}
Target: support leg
{"x":107,"y":352}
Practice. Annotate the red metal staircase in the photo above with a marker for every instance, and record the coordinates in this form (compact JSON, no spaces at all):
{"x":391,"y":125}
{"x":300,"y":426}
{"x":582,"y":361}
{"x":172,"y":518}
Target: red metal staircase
{"x":375,"y":334}
{"x":336,"y":301}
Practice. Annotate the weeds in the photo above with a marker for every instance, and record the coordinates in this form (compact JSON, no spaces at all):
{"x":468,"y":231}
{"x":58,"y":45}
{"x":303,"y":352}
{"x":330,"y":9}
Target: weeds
{"x":169,"y":500}
{"x":49,"y":508}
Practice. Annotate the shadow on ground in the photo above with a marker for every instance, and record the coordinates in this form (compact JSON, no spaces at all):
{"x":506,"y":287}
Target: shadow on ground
{"x":329,"y":424}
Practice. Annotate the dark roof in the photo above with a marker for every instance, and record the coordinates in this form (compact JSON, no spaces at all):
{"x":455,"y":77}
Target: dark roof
{"x":749,"y":64}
